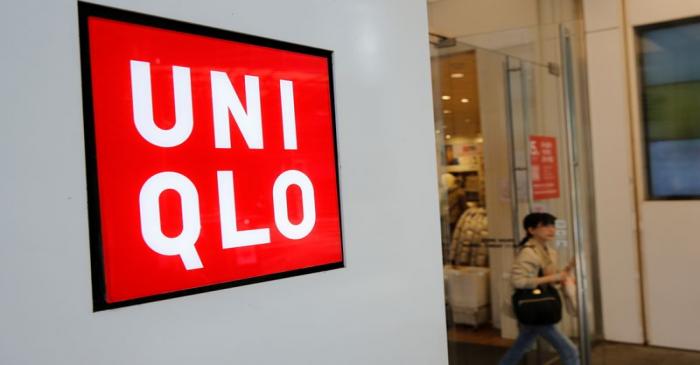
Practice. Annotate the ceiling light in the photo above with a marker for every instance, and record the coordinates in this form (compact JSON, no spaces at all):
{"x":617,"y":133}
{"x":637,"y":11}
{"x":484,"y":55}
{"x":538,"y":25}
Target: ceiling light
{"x":464,"y":100}
{"x":447,"y":111}
{"x":446,"y":97}
{"x":457,"y":75}
{"x":447,"y":136}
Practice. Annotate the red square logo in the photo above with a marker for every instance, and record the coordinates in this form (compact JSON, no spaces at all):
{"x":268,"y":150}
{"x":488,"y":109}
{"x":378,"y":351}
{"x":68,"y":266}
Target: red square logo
{"x":211,"y":157}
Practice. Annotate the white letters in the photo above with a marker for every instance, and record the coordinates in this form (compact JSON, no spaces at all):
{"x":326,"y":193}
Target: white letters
{"x":182,"y":245}
{"x":230,"y":235}
{"x":142,"y":101}
{"x":225,"y":99}
{"x":279,"y":197}
{"x":225,"y":103}
{"x":289,"y":127}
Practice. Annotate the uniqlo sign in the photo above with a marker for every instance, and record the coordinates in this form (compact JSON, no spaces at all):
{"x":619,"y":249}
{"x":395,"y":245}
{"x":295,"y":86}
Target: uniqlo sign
{"x":210,"y":155}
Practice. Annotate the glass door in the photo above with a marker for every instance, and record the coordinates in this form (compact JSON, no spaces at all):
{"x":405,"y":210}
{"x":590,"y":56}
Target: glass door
{"x":541,"y":161}
{"x":503,"y":128}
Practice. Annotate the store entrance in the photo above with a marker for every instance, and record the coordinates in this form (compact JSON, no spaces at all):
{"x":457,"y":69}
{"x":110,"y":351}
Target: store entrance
{"x":507,"y":144}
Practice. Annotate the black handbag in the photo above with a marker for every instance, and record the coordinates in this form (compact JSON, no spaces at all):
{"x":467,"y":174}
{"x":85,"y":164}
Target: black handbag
{"x":537,"y":307}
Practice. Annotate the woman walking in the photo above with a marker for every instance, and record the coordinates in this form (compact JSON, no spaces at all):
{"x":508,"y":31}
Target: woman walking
{"x":533,"y":274}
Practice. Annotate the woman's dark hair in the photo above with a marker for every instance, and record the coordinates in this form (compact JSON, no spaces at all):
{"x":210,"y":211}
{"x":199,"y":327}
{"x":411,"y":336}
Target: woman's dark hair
{"x":534,"y":220}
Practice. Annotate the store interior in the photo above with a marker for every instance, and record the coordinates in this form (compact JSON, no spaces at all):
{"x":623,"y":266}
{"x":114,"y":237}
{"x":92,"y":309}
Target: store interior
{"x":489,"y":110}
{"x":466,"y":255}
{"x":464,"y":218}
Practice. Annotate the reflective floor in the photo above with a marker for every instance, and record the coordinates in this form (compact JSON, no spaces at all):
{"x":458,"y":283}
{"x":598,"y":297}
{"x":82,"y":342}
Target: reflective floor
{"x":484,"y":347}
{"x":621,"y":354}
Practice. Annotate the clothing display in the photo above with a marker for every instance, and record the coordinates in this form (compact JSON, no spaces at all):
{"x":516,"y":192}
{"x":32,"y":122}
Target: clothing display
{"x":456,"y":198}
{"x":467,"y":247}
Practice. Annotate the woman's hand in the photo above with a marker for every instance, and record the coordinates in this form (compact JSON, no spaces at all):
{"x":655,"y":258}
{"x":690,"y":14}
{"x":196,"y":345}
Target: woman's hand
{"x":568,"y":280}
{"x":570,"y":266}
{"x":554,"y":278}
{"x":562,"y":277}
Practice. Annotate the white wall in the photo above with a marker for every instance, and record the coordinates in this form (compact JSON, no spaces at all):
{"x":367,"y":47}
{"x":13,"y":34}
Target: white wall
{"x":613,"y":175}
{"x":386,"y":306}
{"x":666,"y":245}
{"x":669,"y":238}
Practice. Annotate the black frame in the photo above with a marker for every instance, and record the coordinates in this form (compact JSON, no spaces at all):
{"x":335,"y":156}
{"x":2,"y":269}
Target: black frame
{"x":642,"y":97}
{"x":86,"y":10}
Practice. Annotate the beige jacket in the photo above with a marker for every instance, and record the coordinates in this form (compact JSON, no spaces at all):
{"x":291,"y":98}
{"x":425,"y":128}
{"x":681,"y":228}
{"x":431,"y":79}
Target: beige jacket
{"x":528,"y":262}
{"x":526,"y":267}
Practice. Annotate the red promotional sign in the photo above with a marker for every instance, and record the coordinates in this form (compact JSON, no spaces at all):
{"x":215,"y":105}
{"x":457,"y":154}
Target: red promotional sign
{"x":211,"y":157}
{"x":544,"y":167}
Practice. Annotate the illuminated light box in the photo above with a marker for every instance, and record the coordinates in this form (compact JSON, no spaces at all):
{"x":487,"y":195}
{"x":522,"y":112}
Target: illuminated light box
{"x":211,"y":157}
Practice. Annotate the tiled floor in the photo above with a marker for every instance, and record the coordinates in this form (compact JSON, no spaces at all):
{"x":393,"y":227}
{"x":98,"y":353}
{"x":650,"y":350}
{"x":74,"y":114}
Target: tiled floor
{"x":484,"y":346}
{"x":621,"y":354}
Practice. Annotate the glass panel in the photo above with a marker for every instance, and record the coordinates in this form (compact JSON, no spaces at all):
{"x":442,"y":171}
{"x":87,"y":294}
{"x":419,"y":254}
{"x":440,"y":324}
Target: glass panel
{"x":540,"y":147}
{"x":573,"y":54}
{"x":459,"y":113}
{"x":670,"y":76}
{"x":491,"y":111}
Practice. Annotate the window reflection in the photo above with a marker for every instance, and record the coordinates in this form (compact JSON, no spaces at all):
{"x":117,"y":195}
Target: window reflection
{"x":670,"y":70}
